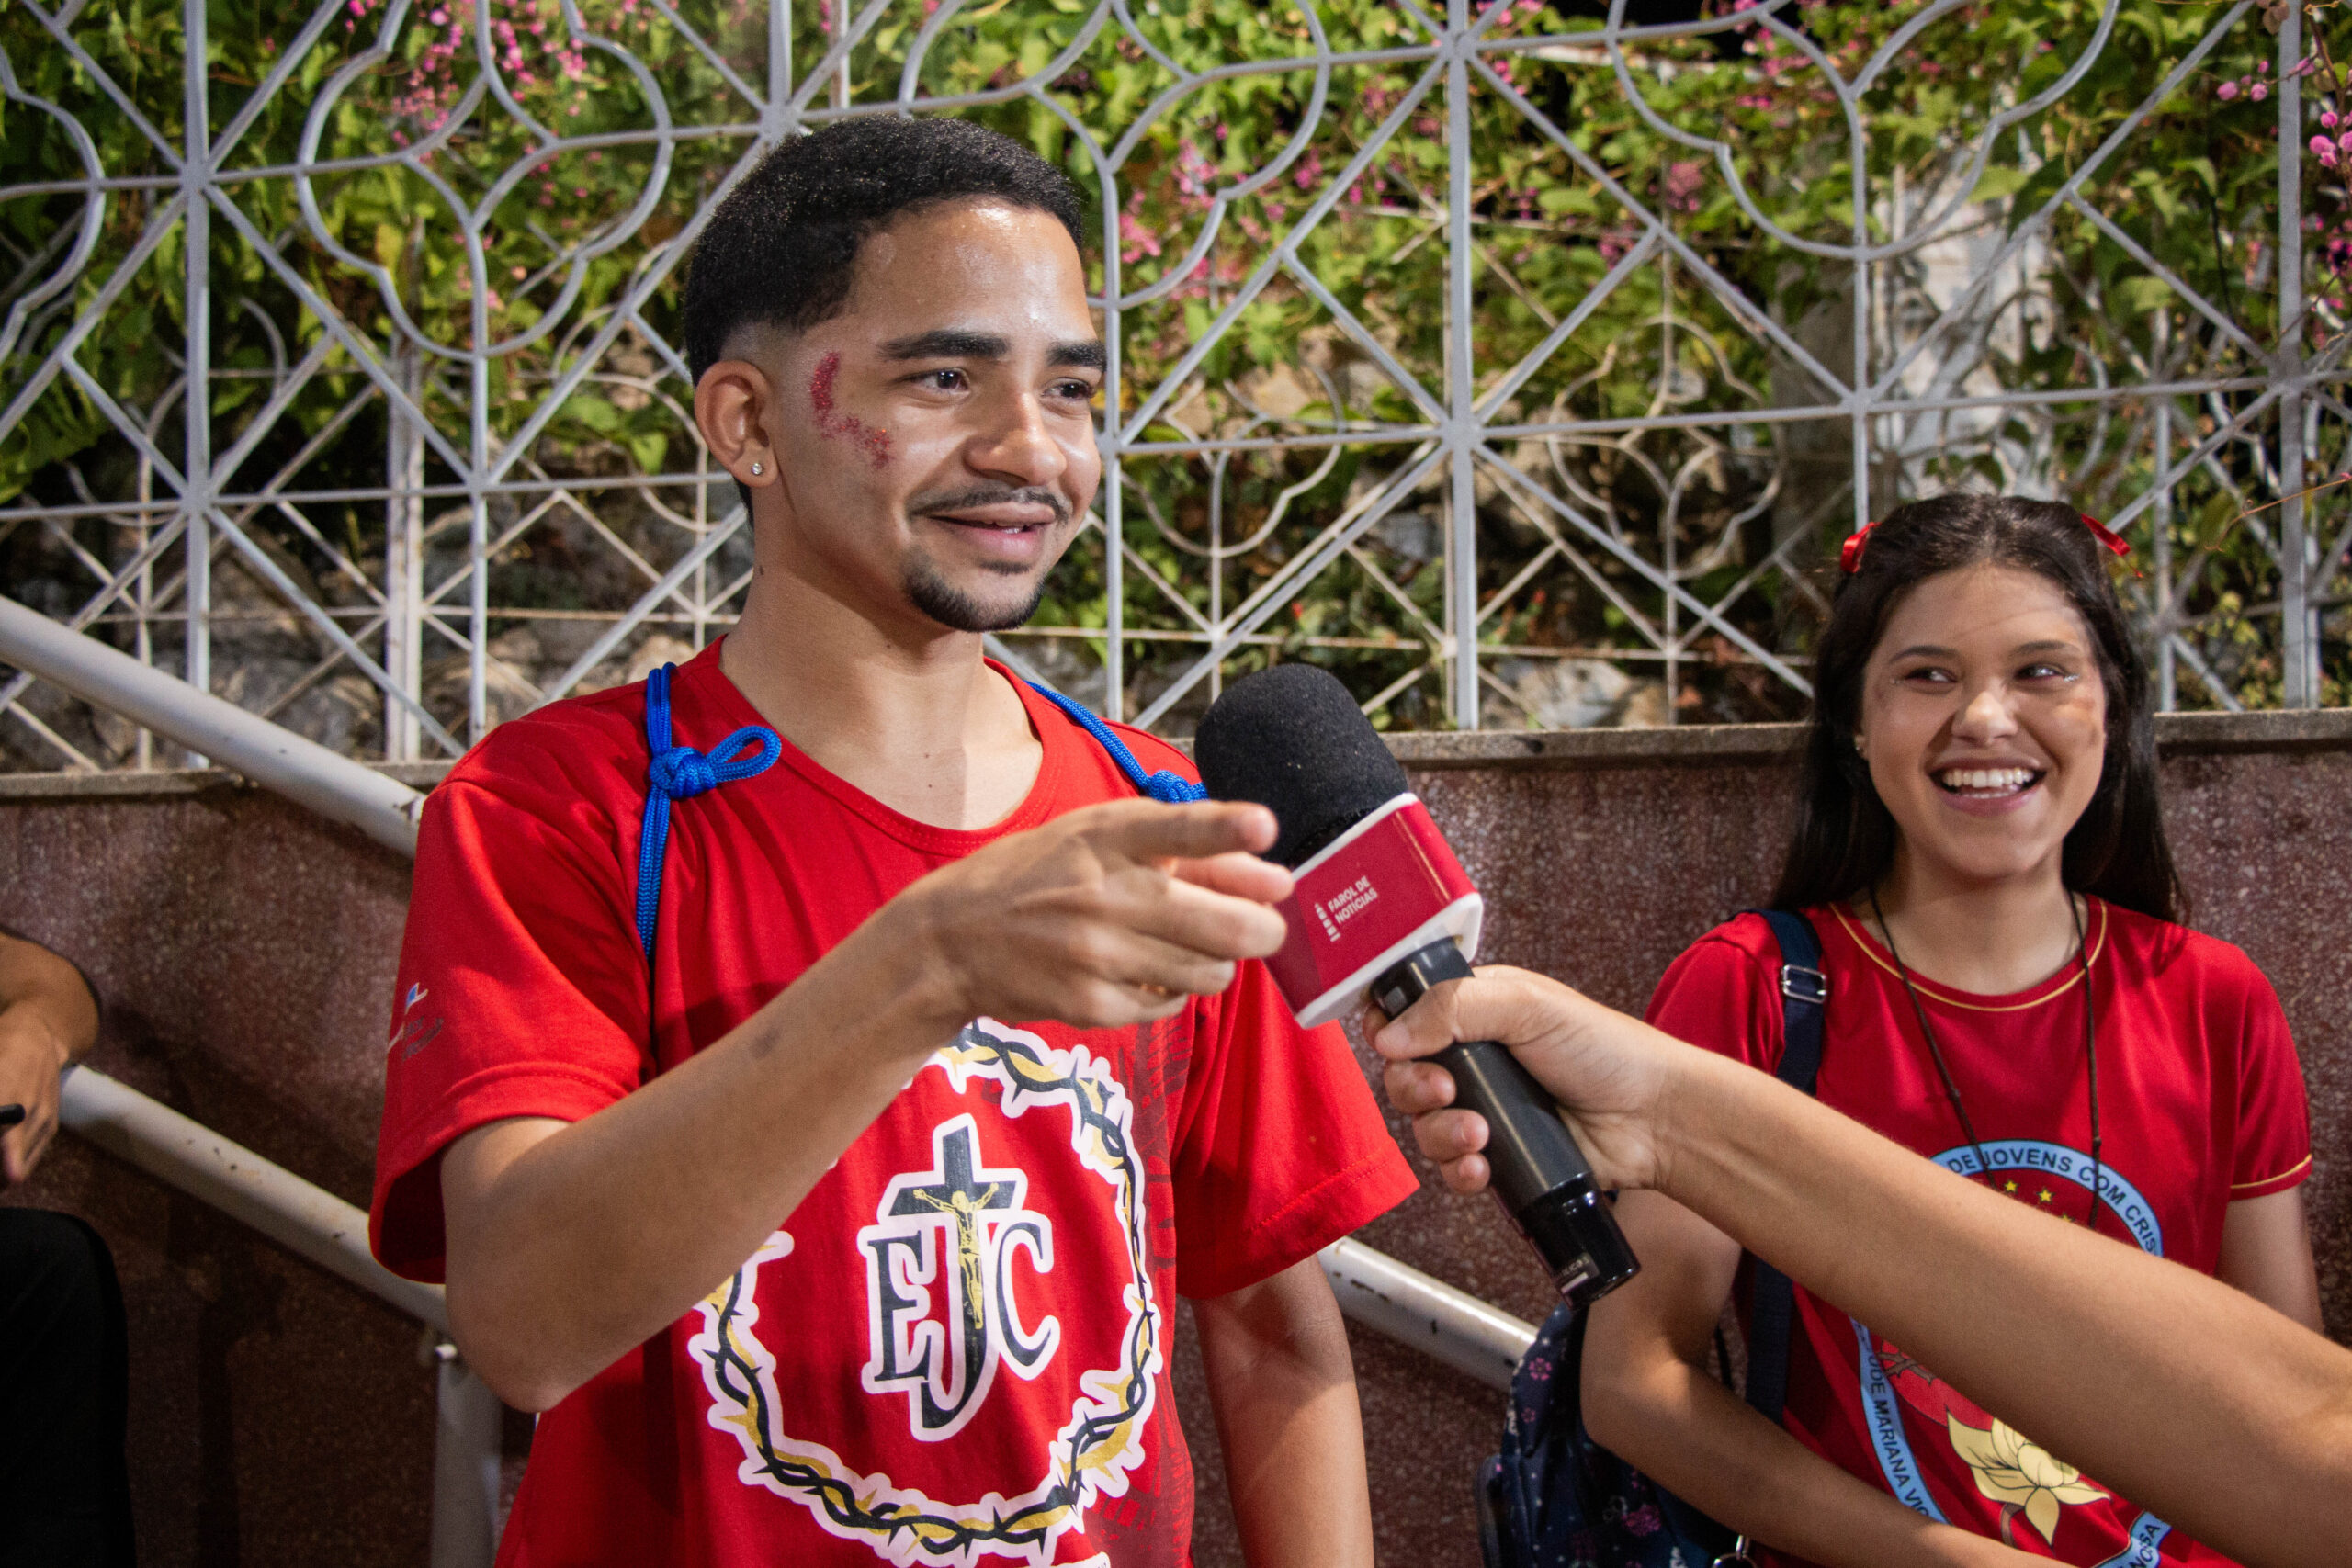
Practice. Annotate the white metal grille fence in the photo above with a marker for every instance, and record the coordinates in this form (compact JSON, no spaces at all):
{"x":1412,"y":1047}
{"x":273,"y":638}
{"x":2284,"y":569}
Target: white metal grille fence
{"x":1520,"y":364}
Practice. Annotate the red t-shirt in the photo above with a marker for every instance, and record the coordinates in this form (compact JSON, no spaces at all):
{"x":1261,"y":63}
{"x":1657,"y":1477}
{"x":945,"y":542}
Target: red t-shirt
{"x":957,"y":1349}
{"x":2201,"y":1103}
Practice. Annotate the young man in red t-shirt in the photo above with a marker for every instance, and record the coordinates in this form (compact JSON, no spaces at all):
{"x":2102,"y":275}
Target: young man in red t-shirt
{"x":840,"y":1219}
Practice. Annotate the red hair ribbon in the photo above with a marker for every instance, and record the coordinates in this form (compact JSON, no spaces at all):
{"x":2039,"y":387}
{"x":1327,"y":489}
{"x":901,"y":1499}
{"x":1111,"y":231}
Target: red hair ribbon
{"x":1850,"y":554}
{"x":2105,"y":535}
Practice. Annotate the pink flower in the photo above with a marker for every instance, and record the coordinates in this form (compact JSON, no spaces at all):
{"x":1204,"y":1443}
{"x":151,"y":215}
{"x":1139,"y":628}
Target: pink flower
{"x":2226,"y":90}
{"x":2258,"y":92}
{"x":1681,"y":185}
{"x":2328,"y":119}
{"x":1136,"y":240}
{"x":2326,"y":150}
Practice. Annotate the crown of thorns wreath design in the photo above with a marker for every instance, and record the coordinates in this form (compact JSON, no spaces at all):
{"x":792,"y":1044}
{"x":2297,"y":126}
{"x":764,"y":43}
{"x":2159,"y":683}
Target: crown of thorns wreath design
{"x":853,"y":1502}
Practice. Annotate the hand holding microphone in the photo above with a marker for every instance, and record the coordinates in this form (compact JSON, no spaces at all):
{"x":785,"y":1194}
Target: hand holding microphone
{"x":1609,"y":1074}
{"x":1381,"y":909}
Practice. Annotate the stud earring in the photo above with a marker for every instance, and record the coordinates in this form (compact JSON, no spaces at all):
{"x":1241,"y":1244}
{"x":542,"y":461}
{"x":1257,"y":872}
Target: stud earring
{"x":755,"y":471}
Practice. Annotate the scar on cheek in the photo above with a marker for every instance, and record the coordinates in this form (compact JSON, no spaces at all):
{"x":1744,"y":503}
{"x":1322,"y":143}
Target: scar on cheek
{"x":834,"y":424}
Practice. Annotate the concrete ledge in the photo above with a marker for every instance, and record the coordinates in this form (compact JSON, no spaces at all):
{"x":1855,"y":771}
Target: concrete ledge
{"x":132,"y":785}
{"x":2303,"y":729}
{"x":2299,"y":730}
{"x":1690,"y":743}
{"x":117,"y":787}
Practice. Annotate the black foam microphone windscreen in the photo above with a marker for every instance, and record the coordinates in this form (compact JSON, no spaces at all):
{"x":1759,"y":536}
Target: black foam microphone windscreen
{"x":1381,"y":907}
{"x":1292,"y":740}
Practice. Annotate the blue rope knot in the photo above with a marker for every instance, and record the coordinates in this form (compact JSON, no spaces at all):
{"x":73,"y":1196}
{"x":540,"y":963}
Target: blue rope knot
{"x":681,"y":772}
{"x":1173,"y":789}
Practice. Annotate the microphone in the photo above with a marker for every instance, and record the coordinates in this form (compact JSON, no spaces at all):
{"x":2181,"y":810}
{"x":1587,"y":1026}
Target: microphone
{"x":1381,"y":907}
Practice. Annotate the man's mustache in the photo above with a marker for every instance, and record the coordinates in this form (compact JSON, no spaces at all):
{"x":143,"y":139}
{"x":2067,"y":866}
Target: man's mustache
{"x":989,"y":496}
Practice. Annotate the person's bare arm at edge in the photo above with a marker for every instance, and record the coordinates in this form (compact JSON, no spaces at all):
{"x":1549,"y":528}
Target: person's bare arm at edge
{"x":1649,"y":1398}
{"x":2267,"y":1253}
{"x":2187,"y":1396}
{"x":1283,"y":1389}
{"x":570,"y":1244}
{"x":49,"y":1020}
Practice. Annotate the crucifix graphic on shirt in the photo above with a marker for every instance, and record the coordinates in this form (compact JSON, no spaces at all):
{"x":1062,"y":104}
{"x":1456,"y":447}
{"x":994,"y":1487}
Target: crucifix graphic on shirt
{"x":940,"y":1300}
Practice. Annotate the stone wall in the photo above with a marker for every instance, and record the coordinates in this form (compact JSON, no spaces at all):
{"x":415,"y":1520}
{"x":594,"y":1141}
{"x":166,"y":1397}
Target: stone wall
{"x":246,"y":952}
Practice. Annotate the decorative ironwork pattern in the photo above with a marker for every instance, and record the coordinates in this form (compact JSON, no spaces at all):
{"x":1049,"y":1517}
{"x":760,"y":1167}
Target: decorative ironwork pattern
{"x":1524,"y":361}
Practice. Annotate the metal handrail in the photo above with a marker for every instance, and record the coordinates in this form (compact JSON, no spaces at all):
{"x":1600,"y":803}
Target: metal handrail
{"x":315,"y":1225}
{"x":1425,"y":1313}
{"x":1372,"y":1289}
{"x":308,"y":1220}
{"x":271,"y":755}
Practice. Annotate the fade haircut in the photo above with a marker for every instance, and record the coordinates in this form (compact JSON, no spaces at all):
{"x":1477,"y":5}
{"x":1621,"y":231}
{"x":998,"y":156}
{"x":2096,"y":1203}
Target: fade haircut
{"x":781,"y":249}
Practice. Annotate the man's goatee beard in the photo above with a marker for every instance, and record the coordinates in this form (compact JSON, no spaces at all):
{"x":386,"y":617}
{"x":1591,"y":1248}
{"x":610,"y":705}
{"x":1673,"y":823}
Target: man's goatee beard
{"x":954,"y":608}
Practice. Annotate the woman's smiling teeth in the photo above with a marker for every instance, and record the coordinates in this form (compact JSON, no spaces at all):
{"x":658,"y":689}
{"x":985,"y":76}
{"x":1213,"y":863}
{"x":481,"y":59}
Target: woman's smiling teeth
{"x":1987,"y":783}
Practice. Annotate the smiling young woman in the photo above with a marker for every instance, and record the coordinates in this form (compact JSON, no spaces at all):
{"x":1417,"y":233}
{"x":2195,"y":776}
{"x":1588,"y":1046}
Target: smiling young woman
{"x":1980,"y":846}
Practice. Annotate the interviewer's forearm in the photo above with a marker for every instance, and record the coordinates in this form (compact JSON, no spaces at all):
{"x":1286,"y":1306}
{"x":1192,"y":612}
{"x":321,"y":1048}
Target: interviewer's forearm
{"x":2227,"y":1419}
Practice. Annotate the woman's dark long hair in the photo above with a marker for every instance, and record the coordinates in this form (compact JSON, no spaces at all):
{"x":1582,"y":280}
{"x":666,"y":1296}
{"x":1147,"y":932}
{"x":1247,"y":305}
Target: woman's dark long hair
{"x":1845,"y":836}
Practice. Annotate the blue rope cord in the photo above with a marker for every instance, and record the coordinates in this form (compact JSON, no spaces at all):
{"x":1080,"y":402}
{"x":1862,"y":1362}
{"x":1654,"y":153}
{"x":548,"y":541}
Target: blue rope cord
{"x":1175,"y":789}
{"x":681,"y":772}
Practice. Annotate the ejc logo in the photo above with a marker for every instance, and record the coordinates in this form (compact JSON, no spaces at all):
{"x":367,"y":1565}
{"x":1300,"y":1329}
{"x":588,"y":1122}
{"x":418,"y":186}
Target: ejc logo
{"x":949,"y":1235}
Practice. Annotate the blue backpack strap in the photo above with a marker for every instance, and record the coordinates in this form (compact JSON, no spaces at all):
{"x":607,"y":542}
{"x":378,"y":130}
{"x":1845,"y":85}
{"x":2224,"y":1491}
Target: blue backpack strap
{"x":1804,"y":995}
{"x":681,"y":772}
{"x":1175,"y":789}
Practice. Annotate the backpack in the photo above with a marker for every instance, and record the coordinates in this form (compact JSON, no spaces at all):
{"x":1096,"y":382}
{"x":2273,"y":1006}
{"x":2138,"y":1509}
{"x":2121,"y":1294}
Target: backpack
{"x":1553,"y":1497}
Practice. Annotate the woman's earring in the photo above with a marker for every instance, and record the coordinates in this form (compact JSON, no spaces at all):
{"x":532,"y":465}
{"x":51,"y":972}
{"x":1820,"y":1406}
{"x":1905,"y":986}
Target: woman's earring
{"x":755,"y":471}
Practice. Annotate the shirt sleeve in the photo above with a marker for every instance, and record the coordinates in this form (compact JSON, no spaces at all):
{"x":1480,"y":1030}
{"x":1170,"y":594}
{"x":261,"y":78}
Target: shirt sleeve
{"x":2274,"y":1142}
{"x":521,"y":992}
{"x":1280,"y":1148}
{"x":1719,"y":997}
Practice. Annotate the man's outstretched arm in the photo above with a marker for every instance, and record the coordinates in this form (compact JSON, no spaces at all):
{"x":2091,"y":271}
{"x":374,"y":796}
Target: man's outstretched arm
{"x":2190,"y":1397}
{"x":570,"y":1244}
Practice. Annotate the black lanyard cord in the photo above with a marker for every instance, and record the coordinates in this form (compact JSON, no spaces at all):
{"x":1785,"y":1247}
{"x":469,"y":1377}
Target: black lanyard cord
{"x":1952,"y":1089}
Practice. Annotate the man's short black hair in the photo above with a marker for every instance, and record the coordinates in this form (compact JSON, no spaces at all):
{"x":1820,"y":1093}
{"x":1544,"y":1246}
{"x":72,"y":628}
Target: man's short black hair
{"x":781,"y":248}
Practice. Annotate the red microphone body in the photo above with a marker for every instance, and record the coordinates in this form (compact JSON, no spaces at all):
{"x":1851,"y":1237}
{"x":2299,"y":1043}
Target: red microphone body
{"x":1381,"y":908}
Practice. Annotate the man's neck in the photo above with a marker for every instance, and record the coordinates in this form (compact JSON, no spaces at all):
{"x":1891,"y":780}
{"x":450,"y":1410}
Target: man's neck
{"x":911,"y":716}
{"x":1990,"y":938}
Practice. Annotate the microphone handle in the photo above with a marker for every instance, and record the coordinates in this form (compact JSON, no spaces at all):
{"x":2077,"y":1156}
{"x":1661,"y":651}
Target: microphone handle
{"x":1538,"y":1173}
